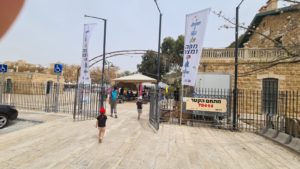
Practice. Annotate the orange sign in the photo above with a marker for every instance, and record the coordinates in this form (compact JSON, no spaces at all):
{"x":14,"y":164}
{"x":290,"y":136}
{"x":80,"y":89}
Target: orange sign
{"x":206,"y":104}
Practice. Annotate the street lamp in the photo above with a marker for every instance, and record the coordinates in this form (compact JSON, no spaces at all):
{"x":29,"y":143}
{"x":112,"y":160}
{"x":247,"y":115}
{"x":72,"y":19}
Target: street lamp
{"x":235,"y":90}
{"x":103,"y":61}
{"x":109,"y":64}
{"x":158,"y":63}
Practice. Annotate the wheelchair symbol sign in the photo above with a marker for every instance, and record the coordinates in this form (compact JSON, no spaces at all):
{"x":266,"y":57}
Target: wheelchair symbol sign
{"x":58,"y":68}
{"x":3,"y":68}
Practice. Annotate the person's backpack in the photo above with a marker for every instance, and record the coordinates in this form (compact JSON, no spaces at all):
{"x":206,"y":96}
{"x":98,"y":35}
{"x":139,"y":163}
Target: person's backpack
{"x":114,"y":95}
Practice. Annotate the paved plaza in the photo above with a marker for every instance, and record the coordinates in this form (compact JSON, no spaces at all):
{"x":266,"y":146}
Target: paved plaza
{"x":59,"y":143}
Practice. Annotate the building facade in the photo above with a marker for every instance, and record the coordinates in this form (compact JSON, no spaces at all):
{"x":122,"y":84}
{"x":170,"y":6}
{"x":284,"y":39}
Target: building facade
{"x":268,"y":51}
{"x":268,"y":62}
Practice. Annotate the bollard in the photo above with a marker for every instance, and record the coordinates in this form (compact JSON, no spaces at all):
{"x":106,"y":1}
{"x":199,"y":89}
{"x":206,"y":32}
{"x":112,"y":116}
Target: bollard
{"x":295,"y":142}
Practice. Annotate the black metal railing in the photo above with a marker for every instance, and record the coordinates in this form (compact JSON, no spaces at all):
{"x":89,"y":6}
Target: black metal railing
{"x":256,"y":110}
{"x":80,"y":100}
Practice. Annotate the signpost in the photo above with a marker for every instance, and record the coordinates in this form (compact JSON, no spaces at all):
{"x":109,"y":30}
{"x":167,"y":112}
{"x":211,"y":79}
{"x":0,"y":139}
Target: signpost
{"x":58,"y":68}
{"x":3,"y":69}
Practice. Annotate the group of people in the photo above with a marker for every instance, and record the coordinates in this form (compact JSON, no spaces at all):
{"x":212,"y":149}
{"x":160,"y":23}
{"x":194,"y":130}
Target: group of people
{"x":101,"y":118}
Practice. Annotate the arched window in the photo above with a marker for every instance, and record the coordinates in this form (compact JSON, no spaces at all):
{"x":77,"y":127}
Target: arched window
{"x":8,"y":86}
{"x":49,"y":87}
{"x":270,"y":95}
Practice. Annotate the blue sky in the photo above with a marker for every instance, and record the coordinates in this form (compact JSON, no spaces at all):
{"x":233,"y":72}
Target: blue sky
{"x":48,"y":31}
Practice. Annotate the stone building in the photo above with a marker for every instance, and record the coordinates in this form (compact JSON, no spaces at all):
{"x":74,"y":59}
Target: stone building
{"x":286,"y":75}
{"x":280,"y":25}
{"x":261,"y":59}
{"x":268,"y":59}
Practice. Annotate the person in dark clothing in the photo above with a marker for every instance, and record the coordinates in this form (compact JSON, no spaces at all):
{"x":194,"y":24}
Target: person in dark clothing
{"x":101,"y":124}
{"x":176,"y":94}
{"x":122,"y":91}
{"x":176,"y":99}
{"x":139,"y":104}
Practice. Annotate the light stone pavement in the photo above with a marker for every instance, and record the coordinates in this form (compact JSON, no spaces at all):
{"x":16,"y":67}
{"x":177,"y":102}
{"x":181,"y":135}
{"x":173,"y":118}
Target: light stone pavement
{"x":132,"y":144}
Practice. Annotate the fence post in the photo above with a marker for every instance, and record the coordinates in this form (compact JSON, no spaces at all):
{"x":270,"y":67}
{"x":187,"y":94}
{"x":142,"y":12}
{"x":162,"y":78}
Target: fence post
{"x":1,"y":87}
{"x":57,"y":94}
{"x":294,"y":127}
{"x":181,"y":106}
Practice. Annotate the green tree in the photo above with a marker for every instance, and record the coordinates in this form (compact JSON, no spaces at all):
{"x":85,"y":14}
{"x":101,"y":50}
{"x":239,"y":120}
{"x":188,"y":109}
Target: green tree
{"x":179,"y":48}
{"x":168,"y":48}
{"x":170,"y":59}
{"x":172,"y":50}
{"x":149,"y":64}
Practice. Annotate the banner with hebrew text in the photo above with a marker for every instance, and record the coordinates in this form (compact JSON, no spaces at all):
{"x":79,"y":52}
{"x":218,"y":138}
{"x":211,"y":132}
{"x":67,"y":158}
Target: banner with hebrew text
{"x":194,"y":36}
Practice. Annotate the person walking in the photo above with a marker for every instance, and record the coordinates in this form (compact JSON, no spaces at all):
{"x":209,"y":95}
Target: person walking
{"x":113,"y":102}
{"x":101,"y":124}
{"x":139,"y":104}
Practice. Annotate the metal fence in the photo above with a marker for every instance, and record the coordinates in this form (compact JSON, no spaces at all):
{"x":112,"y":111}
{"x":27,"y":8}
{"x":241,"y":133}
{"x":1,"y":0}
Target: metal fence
{"x":38,"y":96}
{"x":81,"y":101}
{"x":277,"y":110}
{"x":256,"y":110}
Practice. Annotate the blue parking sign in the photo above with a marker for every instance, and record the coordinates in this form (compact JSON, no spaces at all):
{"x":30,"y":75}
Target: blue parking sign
{"x":3,"y":68}
{"x":58,"y":68}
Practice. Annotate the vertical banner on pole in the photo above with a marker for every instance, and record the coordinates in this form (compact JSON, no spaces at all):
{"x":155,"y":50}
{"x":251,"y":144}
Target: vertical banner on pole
{"x":194,"y":35}
{"x":84,"y":78}
{"x":84,"y":69}
{"x":195,"y":26}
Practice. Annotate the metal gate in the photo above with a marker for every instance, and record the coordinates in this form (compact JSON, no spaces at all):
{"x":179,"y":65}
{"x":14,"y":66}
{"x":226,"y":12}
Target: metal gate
{"x":154,"y":110}
{"x":87,"y":102}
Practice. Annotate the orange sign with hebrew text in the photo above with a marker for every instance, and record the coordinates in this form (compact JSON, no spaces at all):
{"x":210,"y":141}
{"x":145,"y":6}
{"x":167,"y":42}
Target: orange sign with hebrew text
{"x":206,"y":104}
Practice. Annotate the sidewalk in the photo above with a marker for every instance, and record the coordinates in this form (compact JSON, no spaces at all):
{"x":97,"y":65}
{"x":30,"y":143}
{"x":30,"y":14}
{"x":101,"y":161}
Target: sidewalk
{"x":132,"y":144}
{"x":30,"y":118}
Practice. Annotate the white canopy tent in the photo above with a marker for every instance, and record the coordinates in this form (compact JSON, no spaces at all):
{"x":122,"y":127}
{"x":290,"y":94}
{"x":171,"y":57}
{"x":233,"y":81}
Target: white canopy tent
{"x":160,"y":84}
{"x":136,"y":78}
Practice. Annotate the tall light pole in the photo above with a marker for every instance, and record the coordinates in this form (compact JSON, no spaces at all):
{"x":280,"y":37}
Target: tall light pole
{"x":235,"y":90}
{"x":158,"y":63}
{"x":109,"y":64}
{"x":103,"y":61}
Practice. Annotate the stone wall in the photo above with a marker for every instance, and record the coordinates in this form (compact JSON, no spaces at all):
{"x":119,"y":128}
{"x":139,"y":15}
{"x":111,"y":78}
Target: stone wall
{"x":222,"y":61}
{"x":31,"y":83}
{"x":288,"y":75}
{"x":29,"y":77}
{"x":284,"y":27}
